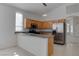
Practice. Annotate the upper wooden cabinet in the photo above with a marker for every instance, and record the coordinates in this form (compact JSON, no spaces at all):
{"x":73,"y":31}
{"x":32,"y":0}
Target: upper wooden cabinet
{"x":61,"y":20}
{"x":24,"y":23}
{"x":45,"y":25}
{"x":37,"y":23}
{"x":27,"y":23}
{"x":40,"y":24}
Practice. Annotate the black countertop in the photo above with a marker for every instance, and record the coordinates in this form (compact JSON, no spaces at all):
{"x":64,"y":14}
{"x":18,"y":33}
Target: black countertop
{"x":23,"y":33}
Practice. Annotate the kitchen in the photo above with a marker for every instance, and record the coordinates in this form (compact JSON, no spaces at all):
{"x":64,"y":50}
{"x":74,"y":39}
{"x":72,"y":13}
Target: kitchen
{"x":41,"y":32}
{"x":37,"y":33}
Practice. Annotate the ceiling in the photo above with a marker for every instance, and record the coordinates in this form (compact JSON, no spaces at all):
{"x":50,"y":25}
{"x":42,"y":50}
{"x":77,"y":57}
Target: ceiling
{"x":37,"y":8}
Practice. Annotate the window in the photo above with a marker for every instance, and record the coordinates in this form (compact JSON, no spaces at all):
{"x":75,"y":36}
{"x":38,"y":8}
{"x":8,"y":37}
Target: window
{"x":19,"y":22}
{"x":67,"y":28}
{"x":71,"y":28}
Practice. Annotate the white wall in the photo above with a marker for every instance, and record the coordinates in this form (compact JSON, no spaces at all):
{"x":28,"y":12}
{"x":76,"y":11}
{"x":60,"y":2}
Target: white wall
{"x":7,"y":27}
{"x":7,"y":24}
{"x":73,"y":37}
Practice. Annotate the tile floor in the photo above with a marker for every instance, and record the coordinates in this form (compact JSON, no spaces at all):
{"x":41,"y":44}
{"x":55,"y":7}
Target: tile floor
{"x":70,"y":49}
{"x":15,"y":51}
{"x":59,"y":50}
{"x":66,"y":50}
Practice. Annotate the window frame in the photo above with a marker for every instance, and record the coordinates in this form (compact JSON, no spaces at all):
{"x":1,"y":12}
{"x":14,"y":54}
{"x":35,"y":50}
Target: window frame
{"x":16,"y":22}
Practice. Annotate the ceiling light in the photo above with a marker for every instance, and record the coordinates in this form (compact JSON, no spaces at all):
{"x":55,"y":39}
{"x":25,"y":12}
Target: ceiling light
{"x":44,"y":15}
{"x":44,"y":4}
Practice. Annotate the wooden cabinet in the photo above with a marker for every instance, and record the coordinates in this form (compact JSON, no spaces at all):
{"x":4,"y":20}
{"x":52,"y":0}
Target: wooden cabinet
{"x":24,"y":23}
{"x":50,"y":46}
{"x":28,"y":23}
{"x":45,"y":25}
{"x":61,"y":21}
{"x":39,"y":24}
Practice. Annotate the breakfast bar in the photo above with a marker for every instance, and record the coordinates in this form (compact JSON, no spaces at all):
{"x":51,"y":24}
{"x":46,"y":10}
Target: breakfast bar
{"x":37,"y":44}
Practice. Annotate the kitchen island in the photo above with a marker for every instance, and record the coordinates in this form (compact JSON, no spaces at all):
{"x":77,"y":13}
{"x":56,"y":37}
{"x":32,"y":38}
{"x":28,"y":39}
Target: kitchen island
{"x":37,"y":44}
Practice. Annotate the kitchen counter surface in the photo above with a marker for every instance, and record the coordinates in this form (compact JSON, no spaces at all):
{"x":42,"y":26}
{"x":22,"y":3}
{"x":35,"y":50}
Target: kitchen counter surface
{"x":37,"y":35}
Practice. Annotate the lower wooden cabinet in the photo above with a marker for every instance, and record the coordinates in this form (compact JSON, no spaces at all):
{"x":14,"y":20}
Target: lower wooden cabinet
{"x":50,"y":46}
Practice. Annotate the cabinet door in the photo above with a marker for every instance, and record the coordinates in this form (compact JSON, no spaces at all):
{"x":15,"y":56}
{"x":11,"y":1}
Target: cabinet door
{"x":46,"y":25}
{"x":39,"y":25}
{"x":28,"y":24}
{"x":24,"y":23}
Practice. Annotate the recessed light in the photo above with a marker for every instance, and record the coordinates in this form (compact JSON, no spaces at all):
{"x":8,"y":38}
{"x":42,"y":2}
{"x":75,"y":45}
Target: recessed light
{"x":44,"y":15}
